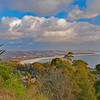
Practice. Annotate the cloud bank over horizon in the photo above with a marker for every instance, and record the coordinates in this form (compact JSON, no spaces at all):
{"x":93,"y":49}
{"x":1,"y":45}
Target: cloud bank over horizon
{"x":51,"y":30}
{"x":42,"y":7}
{"x":45,"y":23}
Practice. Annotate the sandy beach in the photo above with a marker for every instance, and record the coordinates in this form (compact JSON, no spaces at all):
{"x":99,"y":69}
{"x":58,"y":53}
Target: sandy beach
{"x":25,"y":60}
{"x":32,"y":60}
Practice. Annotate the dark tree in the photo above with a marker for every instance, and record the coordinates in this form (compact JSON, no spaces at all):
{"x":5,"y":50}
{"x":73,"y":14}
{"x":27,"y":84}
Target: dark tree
{"x":69,"y":56}
{"x":98,"y":67}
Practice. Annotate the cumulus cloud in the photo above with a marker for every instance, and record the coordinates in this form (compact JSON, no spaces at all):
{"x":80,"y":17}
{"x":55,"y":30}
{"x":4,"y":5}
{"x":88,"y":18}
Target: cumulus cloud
{"x":42,"y":29}
{"x":92,"y":10}
{"x":44,"y":7}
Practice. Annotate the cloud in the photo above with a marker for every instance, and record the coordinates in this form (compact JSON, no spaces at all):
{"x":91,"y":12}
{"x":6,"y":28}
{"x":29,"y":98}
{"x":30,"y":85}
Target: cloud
{"x":51,"y":7}
{"x":48,"y":30}
{"x":42,"y":7}
{"x":92,"y":10}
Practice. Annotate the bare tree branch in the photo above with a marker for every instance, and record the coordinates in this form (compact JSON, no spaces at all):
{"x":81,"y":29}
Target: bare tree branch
{"x":1,"y":51}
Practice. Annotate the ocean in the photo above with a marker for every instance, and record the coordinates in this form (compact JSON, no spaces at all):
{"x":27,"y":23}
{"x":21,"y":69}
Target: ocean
{"x":91,"y":59}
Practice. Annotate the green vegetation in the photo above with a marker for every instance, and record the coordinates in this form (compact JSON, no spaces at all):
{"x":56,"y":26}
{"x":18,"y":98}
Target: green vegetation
{"x":98,"y":67}
{"x":10,"y":79}
{"x":56,"y":80}
{"x":69,"y":56}
{"x":97,"y":86}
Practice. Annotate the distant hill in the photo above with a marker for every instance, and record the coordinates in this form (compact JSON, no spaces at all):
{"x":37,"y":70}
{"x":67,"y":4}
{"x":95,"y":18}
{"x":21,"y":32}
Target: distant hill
{"x":19,"y":55}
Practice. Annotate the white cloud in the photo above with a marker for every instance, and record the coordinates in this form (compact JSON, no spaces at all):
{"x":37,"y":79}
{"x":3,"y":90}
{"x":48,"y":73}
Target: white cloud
{"x":92,"y":10}
{"x":41,"y":29}
{"x":44,"y":7}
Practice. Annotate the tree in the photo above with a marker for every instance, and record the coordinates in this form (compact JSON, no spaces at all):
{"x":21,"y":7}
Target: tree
{"x":59,"y":63}
{"x":56,"y":85}
{"x":84,"y":81}
{"x":97,"y":87}
{"x":98,"y":67}
{"x":38,"y":66}
{"x":69,"y":56}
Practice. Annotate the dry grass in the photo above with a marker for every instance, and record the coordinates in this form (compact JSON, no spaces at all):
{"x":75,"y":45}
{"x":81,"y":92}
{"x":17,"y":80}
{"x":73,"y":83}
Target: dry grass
{"x":31,"y":95}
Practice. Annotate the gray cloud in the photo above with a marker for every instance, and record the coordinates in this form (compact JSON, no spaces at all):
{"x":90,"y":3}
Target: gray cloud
{"x":51,"y":7}
{"x":51,"y":30}
{"x":92,"y":10}
{"x":44,"y":7}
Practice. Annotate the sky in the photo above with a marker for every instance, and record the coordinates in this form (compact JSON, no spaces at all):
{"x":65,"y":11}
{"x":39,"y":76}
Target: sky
{"x":50,"y":24}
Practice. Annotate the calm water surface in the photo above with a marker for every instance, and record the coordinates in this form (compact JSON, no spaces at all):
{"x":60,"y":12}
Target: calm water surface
{"x":92,"y":59}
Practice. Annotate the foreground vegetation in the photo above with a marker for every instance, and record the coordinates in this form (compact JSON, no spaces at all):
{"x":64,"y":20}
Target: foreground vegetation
{"x":56,"y":80}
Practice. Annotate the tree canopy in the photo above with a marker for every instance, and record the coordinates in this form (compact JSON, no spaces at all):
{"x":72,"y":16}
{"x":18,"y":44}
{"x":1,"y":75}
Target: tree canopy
{"x":98,"y":67}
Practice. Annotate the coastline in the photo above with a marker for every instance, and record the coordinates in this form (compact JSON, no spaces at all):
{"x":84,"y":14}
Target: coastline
{"x":20,"y":62}
{"x":34,"y":60}
{"x":41,"y":58}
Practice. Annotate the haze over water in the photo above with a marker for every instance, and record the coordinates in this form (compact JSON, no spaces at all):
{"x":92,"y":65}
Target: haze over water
{"x":91,"y":59}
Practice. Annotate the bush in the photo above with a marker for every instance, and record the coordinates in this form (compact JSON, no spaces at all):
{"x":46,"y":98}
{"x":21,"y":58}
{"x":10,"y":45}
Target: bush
{"x":59,"y":63}
{"x":98,"y":67}
{"x":97,"y":87}
{"x":10,"y":80}
{"x":56,"y":85}
{"x":67,"y":81}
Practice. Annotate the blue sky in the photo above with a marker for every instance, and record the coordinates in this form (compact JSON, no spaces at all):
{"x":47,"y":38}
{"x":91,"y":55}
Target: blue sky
{"x":17,"y":13}
{"x":53,"y":24}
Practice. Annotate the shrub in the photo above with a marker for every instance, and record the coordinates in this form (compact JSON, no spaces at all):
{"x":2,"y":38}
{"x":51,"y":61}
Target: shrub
{"x":98,"y":67}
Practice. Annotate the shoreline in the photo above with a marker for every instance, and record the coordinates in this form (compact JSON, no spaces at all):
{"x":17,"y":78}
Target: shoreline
{"x":20,"y":62}
{"x":34,"y":60}
{"x":40,"y":58}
